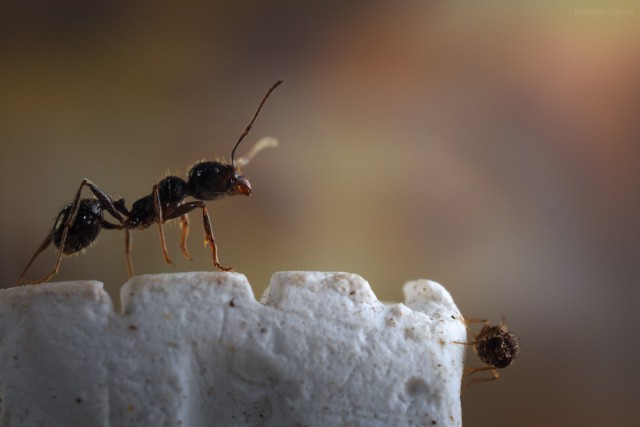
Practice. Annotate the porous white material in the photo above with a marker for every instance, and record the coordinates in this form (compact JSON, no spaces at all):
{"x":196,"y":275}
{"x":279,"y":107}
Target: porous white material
{"x":197,"y":349}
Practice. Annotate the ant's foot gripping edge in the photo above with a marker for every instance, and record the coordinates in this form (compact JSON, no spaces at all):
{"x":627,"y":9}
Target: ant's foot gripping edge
{"x":221,"y":268}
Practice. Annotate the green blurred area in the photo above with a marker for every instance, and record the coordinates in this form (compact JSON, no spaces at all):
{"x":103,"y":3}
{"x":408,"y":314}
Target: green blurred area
{"x":489,"y":146}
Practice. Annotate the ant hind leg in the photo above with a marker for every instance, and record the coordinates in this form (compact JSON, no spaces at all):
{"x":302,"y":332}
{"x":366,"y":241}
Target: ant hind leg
{"x":44,"y":245}
{"x":494,"y":376}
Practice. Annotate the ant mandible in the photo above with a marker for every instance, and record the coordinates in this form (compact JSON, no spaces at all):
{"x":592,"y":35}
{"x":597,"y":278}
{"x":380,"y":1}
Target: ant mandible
{"x":79,"y":223}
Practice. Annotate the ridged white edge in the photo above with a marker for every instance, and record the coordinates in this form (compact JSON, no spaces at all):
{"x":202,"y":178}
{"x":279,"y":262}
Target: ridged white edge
{"x":197,"y":349}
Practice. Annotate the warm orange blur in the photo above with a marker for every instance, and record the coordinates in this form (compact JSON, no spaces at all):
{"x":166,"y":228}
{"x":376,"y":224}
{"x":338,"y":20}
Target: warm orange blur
{"x":494,"y":149}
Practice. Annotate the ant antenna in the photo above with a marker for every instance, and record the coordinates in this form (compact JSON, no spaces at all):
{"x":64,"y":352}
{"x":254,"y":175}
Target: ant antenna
{"x":266,"y":142}
{"x":253,"y":119}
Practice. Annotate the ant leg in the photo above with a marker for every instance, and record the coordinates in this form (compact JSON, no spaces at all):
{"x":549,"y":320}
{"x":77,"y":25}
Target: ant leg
{"x":494,"y":376}
{"x":471,"y":320}
{"x":467,"y":322}
{"x":159,"y":220}
{"x":119,"y":205}
{"x":44,"y":245}
{"x":209,"y":239}
{"x":127,"y":251}
{"x":114,"y":208}
{"x":127,"y":242}
{"x":465,"y":343}
{"x":184,"y":226}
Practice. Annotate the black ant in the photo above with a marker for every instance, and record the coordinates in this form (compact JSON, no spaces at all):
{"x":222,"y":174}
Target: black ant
{"x":495,"y":346}
{"x":79,"y":223}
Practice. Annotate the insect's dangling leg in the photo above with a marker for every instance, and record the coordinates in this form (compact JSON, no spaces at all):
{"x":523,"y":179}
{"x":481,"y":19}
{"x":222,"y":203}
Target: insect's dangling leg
{"x":184,"y":226}
{"x":494,"y":376}
{"x":160,"y":220}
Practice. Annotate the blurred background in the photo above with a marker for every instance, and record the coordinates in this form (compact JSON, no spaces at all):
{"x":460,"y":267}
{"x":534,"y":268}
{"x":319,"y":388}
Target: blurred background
{"x":490,"y":146}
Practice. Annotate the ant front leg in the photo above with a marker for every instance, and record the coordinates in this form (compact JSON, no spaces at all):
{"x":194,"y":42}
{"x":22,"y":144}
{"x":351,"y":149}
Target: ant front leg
{"x":209,"y":239}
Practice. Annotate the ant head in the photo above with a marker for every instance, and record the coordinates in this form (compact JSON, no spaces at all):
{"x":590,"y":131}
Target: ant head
{"x":213,"y":180}
{"x":253,"y":119}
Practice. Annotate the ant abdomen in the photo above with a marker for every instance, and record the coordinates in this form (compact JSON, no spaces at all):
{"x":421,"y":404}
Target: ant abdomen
{"x":84,"y":229}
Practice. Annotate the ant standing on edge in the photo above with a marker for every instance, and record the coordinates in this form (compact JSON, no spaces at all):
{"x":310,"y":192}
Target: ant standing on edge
{"x":79,"y":223}
{"x":495,"y":346}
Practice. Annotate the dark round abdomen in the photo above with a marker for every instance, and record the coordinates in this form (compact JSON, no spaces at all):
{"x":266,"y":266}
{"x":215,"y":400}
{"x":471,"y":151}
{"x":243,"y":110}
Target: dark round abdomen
{"x":499,"y":349}
{"x":85,"y":227}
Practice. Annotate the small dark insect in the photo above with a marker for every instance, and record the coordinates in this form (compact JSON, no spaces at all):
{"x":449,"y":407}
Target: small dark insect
{"x":496,"y":347}
{"x":79,"y":223}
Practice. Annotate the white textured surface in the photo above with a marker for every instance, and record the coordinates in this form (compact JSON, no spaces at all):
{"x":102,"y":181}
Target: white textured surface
{"x":197,"y":349}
